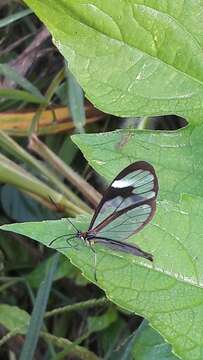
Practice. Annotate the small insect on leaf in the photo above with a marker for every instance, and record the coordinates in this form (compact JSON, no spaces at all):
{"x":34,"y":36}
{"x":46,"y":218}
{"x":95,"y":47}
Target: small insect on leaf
{"x":127,"y":205}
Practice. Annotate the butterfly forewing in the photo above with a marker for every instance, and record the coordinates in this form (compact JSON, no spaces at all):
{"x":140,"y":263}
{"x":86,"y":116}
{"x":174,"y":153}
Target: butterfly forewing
{"x":128,"y":204}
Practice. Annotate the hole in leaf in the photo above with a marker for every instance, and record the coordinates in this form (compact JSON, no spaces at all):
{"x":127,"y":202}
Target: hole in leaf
{"x":166,"y":122}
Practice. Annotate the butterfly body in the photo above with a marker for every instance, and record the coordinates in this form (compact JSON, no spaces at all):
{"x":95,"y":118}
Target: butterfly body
{"x":90,"y":239}
{"x":86,"y":236}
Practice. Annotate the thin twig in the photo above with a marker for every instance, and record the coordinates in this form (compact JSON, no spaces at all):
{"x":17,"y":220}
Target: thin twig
{"x":75,"y":350}
{"x":78,"y":306}
{"x":8,"y":336}
{"x":48,"y":155}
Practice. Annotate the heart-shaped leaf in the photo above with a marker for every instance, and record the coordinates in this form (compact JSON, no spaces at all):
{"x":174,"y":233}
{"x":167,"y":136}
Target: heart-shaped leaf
{"x":141,"y":57}
{"x":133,"y":57}
{"x":14,"y":319}
{"x":176,"y":155}
{"x":167,"y":292}
{"x":178,"y":160}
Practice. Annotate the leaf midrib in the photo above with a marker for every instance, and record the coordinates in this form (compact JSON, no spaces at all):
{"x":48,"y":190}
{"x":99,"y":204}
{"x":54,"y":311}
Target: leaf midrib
{"x":144,"y":53}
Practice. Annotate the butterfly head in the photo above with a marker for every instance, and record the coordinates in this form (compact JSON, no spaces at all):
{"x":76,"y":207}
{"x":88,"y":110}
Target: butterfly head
{"x":82,"y":235}
{"x":87,"y":237}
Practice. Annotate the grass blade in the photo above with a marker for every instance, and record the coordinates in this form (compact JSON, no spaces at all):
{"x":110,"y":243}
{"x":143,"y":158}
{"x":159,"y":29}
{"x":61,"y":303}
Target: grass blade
{"x":76,"y":102}
{"x":21,"y":95}
{"x":38,"y":313}
{"x":14,"y":17}
{"x":10,"y":73}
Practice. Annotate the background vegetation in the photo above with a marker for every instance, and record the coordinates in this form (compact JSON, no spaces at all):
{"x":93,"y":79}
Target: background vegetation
{"x":144,"y":61}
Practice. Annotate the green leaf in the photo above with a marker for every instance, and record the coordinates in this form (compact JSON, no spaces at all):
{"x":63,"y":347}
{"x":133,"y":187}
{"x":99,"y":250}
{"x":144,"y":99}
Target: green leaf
{"x":177,"y":156}
{"x":114,"y":339}
{"x":168,"y":292}
{"x":14,"y":318}
{"x":101,"y":322}
{"x":132,"y":57}
{"x":126,"y":348}
{"x":149,"y":345}
{"x":178,"y":160}
{"x":68,"y":151}
{"x":65,"y":269}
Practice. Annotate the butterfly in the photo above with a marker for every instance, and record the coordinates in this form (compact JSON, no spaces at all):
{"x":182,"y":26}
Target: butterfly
{"x":127,"y":205}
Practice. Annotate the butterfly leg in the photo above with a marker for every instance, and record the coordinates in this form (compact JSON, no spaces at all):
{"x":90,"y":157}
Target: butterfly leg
{"x":69,"y":246}
{"x":95,"y":260}
{"x":67,"y":240}
{"x":72,"y":236}
{"x":75,"y":247}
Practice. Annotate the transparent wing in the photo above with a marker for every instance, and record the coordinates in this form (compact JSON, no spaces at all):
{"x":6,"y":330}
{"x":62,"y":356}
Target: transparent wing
{"x":128,"y":203}
{"x":126,"y":224}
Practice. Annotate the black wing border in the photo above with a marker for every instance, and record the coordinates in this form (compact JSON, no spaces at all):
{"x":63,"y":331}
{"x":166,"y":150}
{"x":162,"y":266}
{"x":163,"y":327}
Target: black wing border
{"x":138,"y":165}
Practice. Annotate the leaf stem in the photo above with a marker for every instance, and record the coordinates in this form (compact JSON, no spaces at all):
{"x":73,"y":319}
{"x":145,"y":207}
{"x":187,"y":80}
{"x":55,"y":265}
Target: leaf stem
{"x":47,"y":154}
{"x":76,"y":350}
{"x":11,"y":146}
{"x":78,"y":306}
{"x":13,"y":174}
{"x":49,"y":93}
{"x":8,"y":336}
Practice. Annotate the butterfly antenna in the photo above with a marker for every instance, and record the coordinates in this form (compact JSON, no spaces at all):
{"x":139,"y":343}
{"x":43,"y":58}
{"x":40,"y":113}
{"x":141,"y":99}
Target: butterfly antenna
{"x":71,"y":236}
{"x":72,"y":224}
{"x":53,"y":202}
{"x":57,"y":208}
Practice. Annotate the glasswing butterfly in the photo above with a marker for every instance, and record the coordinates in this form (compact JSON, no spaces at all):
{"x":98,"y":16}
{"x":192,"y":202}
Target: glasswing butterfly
{"x":127,"y":205}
